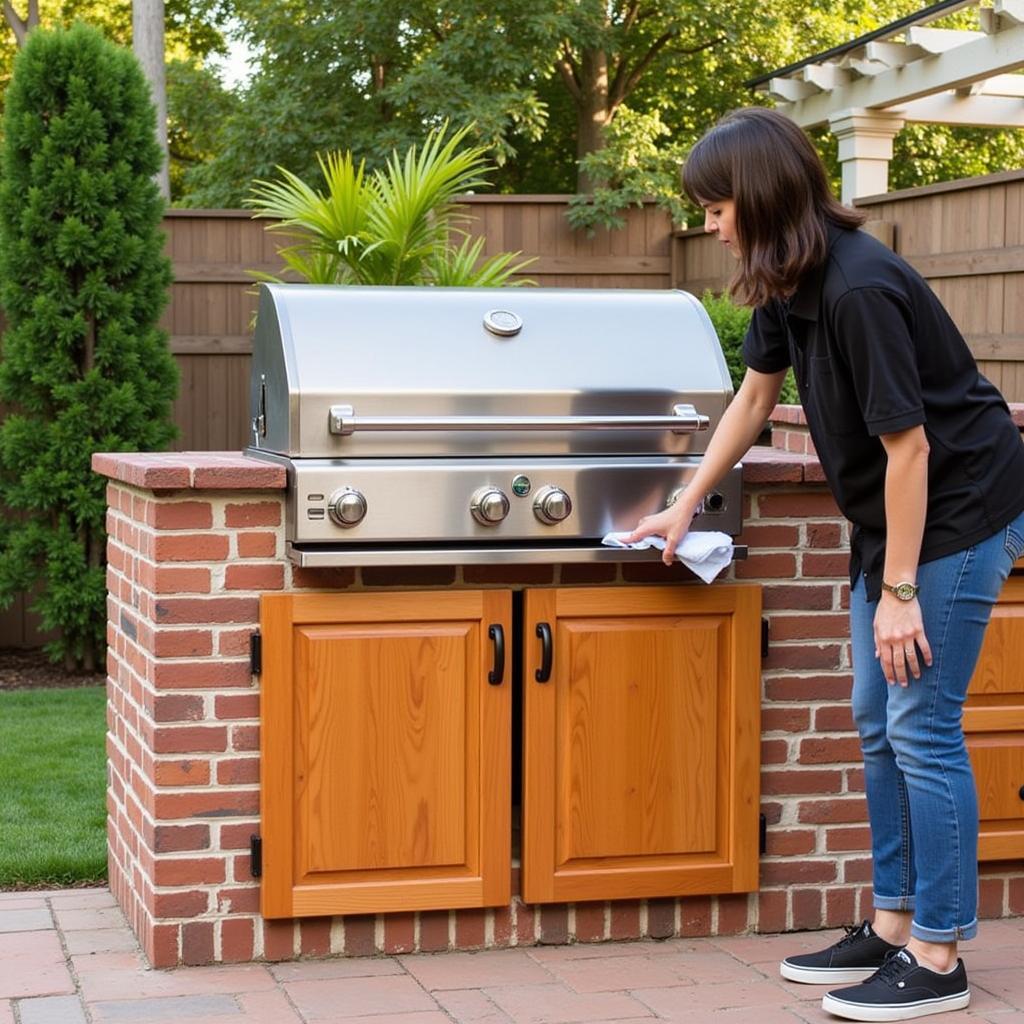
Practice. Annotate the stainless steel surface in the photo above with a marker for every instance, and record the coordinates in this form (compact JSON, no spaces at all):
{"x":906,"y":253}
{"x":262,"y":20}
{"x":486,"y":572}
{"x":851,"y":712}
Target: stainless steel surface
{"x":483,"y":425}
{"x":552,"y":505}
{"x":331,"y":556}
{"x":489,"y":506}
{"x":343,"y":421}
{"x":425,"y":353}
{"x":346,"y":507}
{"x":606,"y":494}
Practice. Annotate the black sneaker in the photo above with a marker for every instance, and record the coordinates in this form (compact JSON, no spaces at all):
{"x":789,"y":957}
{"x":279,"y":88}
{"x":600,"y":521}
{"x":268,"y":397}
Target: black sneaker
{"x":854,"y":957}
{"x":901,"y":989}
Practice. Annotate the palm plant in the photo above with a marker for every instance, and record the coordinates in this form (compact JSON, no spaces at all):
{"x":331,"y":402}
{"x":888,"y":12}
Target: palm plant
{"x":393,"y":226}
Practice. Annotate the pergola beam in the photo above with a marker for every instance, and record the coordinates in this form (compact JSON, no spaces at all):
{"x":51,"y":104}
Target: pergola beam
{"x":978,"y":111}
{"x":896,"y":55}
{"x":1001,"y":85}
{"x":1011,"y":10}
{"x":907,"y":71}
{"x":962,"y":66}
{"x":939,"y":40}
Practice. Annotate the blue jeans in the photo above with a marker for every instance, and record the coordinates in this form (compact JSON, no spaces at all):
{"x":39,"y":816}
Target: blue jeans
{"x":922,"y":805}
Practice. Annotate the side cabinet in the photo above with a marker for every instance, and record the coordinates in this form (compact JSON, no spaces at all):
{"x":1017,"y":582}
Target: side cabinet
{"x":386,"y":723}
{"x":994,"y":726}
{"x":641,"y":742}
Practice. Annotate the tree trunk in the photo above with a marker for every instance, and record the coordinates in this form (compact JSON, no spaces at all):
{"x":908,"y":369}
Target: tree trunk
{"x":593,"y":112}
{"x":21,"y":26}
{"x":148,"y":45}
{"x":379,"y":77}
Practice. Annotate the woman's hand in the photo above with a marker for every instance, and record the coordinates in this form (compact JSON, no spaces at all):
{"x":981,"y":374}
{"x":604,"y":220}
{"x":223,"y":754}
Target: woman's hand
{"x":899,"y":636}
{"x":672,"y":524}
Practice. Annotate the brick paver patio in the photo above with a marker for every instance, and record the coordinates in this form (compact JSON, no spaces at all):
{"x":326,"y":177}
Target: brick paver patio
{"x":67,"y":957}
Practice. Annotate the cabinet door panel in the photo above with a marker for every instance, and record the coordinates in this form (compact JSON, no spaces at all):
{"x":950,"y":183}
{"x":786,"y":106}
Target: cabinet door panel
{"x":631,"y":691}
{"x":999,"y":777}
{"x":382,"y":783}
{"x":994,"y":728}
{"x":651,"y":722}
{"x":385,"y":753}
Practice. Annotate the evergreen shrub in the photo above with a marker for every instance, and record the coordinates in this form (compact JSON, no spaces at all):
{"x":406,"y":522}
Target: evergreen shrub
{"x":731,"y":322}
{"x":83,"y":281}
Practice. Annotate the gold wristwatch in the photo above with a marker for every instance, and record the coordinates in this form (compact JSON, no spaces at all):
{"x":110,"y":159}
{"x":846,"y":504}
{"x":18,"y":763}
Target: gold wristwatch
{"x":905,"y":591}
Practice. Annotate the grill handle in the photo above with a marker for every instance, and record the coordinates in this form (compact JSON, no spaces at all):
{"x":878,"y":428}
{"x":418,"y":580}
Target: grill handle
{"x":685,"y":419}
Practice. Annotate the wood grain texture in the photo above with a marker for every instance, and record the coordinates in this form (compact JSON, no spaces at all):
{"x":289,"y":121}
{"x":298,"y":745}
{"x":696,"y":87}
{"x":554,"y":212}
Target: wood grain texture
{"x":994,"y":728}
{"x":641,"y":754}
{"x":389,"y":753}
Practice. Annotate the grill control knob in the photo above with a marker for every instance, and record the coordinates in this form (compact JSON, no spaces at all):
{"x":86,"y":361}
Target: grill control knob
{"x":489,"y":506}
{"x":552,"y":505}
{"x":347,"y":507}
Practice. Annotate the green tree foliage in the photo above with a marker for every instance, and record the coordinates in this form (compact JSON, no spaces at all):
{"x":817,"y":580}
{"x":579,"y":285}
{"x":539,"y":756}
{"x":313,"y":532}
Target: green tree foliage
{"x":371,"y":77}
{"x":391,"y":227}
{"x":82,"y":283}
{"x":192,"y":35}
{"x":731,"y":323}
{"x":627,"y":84}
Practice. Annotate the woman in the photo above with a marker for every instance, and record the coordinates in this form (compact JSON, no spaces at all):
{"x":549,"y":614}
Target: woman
{"x":924,"y":460}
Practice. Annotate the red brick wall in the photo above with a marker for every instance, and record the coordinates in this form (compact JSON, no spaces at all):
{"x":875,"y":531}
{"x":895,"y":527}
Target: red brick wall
{"x":185,"y":570}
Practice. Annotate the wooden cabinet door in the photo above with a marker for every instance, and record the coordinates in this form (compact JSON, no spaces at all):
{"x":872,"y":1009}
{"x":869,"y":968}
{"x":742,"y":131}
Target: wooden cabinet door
{"x":641,"y":753}
{"x":994,"y":726}
{"x":385,"y":752}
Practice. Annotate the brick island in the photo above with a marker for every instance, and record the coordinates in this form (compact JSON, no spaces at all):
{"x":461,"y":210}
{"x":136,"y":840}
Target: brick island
{"x":196,"y":538}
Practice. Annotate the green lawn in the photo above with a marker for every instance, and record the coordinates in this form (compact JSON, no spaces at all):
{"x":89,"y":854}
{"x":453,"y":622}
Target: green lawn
{"x":52,"y":787}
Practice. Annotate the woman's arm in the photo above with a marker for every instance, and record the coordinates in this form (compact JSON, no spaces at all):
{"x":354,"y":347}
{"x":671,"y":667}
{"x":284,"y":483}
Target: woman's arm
{"x":738,"y":430}
{"x":898,"y":624}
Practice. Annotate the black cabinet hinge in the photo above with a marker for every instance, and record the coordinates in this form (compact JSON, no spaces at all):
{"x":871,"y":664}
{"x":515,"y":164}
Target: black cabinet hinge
{"x":255,"y":855}
{"x":762,"y":835}
{"x":256,"y":653}
{"x":764,"y":638}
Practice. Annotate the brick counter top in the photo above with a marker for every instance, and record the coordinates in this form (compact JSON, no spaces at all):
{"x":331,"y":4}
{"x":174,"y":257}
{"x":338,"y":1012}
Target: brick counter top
{"x":173,"y":471}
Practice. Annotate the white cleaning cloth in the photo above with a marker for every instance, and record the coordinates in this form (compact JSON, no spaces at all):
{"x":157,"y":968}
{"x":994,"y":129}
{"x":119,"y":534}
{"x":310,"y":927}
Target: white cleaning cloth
{"x":704,"y":553}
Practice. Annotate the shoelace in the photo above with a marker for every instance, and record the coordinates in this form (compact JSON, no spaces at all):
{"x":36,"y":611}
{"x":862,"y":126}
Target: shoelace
{"x":893,"y":969}
{"x":853,"y":932}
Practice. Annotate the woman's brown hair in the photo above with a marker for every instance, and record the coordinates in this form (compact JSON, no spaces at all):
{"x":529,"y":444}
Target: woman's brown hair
{"x":766,"y":165}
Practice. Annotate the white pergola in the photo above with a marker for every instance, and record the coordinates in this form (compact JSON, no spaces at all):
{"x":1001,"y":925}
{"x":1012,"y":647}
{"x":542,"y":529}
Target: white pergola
{"x":868,"y":89}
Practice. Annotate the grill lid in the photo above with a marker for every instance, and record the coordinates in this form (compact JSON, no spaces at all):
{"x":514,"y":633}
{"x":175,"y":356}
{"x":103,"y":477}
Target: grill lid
{"x":355,"y":372}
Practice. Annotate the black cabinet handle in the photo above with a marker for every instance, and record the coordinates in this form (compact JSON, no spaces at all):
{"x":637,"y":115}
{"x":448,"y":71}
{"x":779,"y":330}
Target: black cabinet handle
{"x":1021,"y":793}
{"x":497,"y":674}
{"x":543,"y":674}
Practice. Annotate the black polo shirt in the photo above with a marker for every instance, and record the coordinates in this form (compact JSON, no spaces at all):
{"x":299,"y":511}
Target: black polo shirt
{"x":874,"y":352}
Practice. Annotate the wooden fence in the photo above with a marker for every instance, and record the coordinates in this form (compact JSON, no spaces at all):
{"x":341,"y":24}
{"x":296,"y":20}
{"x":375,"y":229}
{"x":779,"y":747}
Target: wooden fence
{"x":965,"y":237}
{"x":213,"y":296}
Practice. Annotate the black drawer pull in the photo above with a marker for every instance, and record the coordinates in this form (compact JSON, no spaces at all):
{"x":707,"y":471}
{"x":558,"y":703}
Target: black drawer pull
{"x":497,"y":674}
{"x":1021,"y":793}
{"x":543,"y":674}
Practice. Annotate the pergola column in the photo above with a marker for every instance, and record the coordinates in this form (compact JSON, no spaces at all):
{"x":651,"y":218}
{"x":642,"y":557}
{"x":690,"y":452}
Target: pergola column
{"x":865,"y":149}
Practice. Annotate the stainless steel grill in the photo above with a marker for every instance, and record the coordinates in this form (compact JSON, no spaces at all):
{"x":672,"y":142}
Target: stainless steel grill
{"x":448,"y":425}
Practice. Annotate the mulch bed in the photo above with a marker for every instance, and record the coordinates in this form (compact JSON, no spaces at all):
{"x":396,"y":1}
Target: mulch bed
{"x":31,"y":669}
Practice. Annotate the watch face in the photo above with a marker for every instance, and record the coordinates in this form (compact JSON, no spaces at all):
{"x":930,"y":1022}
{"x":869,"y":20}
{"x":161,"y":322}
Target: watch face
{"x":906,"y":591}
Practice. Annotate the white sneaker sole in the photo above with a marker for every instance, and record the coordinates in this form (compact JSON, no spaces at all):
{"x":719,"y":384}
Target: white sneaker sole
{"x":825,"y":975}
{"x":894,"y":1011}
